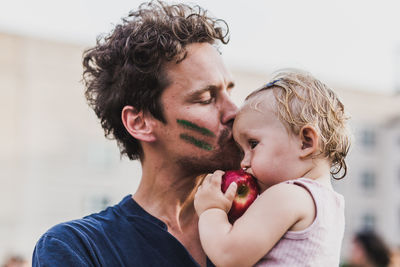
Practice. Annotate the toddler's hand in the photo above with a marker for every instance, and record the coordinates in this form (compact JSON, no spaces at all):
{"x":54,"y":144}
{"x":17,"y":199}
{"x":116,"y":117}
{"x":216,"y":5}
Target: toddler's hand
{"x":209,"y":194}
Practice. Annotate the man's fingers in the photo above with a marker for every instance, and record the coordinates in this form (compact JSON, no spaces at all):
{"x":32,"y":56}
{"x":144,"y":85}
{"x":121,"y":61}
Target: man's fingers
{"x":231,"y":191}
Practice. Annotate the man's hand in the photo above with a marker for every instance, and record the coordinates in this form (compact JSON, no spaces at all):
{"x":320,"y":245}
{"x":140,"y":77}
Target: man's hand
{"x":209,"y":194}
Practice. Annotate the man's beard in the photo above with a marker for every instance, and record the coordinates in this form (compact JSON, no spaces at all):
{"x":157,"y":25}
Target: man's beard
{"x":226,"y":157}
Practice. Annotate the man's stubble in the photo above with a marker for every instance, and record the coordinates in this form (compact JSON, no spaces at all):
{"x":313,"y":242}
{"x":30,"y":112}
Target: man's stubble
{"x":226,"y":156}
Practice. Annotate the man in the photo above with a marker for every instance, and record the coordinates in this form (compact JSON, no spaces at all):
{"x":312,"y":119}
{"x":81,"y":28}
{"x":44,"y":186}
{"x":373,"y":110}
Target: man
{"x":160,"y":88}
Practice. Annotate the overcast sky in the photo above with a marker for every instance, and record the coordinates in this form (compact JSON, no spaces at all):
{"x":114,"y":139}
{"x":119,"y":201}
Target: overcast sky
{"x":351,"y":43}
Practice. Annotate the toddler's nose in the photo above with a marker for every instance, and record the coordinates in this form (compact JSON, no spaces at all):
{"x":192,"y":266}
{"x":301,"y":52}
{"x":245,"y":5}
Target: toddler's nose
{"x":245,"y":163}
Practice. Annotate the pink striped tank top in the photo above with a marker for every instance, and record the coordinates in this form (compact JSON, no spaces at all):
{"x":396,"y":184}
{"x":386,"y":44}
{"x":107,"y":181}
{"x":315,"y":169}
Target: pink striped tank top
{"x":320,"y":243}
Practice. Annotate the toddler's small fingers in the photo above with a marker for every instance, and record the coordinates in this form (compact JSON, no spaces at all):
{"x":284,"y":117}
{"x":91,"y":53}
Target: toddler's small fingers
{"x":231,"y":191}
{"x":219,"y":172}
{"x":208,"y":178}
{"x":216,"y":179}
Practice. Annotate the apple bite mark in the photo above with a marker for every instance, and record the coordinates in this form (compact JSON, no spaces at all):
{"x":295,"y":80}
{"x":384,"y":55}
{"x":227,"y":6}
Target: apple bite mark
{"x":192,"y":126}
{"x":199,"y":143}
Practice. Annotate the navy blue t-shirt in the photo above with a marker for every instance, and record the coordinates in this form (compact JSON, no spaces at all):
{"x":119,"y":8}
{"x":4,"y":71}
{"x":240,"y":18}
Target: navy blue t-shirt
{"x":122,"y":235}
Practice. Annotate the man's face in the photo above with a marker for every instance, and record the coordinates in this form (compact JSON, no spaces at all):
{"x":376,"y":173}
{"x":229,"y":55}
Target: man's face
{"x":199,"y":113}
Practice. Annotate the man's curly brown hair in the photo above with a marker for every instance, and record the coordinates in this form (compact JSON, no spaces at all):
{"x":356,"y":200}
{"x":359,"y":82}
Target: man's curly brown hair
{"x":126,"y":66}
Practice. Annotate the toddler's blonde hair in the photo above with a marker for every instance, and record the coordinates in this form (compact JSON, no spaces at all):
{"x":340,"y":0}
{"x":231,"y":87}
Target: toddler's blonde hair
{"x":303,"y":100}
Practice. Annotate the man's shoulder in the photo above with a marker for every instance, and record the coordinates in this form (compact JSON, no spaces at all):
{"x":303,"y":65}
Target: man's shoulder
{"x":122,"y":235}
{"x":74,"y":233}
{"x":77,"y":241}
{"x":87,"y":227}
{"x":67,"y":240}
{"x":75,"y":228}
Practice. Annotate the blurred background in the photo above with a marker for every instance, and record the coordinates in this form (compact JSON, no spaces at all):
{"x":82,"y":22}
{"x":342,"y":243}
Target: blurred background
{"x":56,"y":165}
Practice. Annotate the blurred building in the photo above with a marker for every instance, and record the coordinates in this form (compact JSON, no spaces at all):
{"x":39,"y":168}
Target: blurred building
{"x":56,"y":165}
{"x":372,"y":186}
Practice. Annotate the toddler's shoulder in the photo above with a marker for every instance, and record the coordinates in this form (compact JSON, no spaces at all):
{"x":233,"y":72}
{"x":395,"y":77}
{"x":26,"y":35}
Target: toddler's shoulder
{"x":291,"y":198}
{"x":288,"y":191}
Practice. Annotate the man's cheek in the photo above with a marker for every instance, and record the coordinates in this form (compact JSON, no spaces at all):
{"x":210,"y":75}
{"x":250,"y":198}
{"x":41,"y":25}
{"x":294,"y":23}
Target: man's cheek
{"x":196,"y":135}
{"x":196,"y":142}
{"x":186,"y":124}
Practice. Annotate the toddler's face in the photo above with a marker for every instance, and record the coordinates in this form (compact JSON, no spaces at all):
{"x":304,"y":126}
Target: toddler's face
{"x":270,"y":153}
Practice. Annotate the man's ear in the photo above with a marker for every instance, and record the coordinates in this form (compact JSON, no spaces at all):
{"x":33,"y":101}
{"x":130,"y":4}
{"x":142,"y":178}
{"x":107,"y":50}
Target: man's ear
{"x":138,"y":124}
{"x":309,"y":141}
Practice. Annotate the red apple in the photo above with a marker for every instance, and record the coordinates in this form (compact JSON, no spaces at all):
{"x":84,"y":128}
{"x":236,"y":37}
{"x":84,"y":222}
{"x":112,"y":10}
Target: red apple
{"x":247,"y":191}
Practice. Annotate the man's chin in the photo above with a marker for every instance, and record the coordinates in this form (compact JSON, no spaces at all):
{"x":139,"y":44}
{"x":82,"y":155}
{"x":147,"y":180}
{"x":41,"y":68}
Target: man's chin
{"x":225,"y":157}
{"x":228,"y":157}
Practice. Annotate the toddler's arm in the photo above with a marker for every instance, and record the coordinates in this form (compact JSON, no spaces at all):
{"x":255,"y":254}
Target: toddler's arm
{"x":275,"y":212}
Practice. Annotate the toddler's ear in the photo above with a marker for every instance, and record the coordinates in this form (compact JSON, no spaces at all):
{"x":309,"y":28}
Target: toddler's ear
{"x":138,"y":124}
{"x":309,"y":141}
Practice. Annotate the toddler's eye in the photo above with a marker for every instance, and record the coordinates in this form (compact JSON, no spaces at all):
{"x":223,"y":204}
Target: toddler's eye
{"x":253,"y":143}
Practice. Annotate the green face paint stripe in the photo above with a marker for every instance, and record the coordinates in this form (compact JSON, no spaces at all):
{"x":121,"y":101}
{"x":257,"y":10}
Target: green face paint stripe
{"x":196,"y":142}
{"x":191,"y":126}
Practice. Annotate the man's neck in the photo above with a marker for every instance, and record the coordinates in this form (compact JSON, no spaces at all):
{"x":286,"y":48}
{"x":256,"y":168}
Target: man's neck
{"x":164,"y":193}
{"x":167,"y":195}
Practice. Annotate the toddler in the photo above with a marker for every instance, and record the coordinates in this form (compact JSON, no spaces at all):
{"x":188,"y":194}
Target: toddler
{"x":293,"y":136}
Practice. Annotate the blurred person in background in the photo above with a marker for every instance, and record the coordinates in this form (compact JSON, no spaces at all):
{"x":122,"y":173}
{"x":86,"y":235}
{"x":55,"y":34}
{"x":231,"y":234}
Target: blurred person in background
{"x":369,"y":250}
{"x":395,"y":257}
{"x":159,"y":87}
{"x":15,"y":261}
